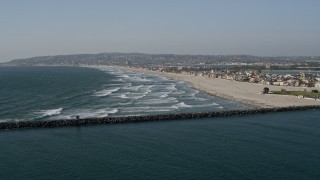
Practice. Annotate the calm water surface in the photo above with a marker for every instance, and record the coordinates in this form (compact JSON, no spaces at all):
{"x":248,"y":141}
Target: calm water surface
{"x":273,"y":146}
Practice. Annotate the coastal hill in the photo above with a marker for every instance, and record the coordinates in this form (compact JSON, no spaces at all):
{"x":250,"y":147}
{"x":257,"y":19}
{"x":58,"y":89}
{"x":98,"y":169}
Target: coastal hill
{"x":151,"y":60}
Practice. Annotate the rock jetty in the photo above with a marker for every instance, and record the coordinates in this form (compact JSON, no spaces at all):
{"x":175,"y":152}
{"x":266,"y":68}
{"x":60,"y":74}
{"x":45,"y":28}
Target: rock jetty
{"x":146,"y":118}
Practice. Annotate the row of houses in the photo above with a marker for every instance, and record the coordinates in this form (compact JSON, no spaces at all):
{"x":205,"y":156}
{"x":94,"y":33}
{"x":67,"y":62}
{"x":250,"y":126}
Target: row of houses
{"x":297,"y":80}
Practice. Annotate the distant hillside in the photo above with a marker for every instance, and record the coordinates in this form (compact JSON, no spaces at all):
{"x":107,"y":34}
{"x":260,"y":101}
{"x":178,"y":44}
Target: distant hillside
{"x":140,"y":59}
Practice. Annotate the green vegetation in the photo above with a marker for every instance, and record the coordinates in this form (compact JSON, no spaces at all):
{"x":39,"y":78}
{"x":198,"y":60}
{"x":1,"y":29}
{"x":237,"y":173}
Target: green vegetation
{"x":312,"y":94}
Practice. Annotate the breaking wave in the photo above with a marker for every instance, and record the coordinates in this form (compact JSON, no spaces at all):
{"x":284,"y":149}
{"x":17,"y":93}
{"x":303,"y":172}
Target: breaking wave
{"x":49,"y":112}
{"x":89,"y":113}
{"x":157,"y":101}
{"x":147,"y":109}
{"x":105,"y":92}
{"x":181,"y":105}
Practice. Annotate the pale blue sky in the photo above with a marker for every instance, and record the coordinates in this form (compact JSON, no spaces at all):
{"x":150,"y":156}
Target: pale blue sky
{"x":255,"y":27}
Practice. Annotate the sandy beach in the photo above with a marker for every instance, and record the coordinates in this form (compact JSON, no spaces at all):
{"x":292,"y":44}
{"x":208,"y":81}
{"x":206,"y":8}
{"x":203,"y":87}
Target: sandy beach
{"x":245,"y":92}
{"x":248,"y":93}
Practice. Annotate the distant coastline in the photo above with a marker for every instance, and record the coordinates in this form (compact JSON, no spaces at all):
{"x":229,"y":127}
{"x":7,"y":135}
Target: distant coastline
{"x":247,"y":93}
{"x":244,"y":92}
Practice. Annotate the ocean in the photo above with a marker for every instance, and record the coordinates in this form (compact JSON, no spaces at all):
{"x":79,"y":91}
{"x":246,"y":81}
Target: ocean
{"x":48,"y":93}
{"x":270,"y":146}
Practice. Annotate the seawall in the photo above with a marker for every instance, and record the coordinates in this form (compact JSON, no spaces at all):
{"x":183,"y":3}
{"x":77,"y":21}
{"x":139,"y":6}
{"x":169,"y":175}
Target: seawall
{"x":146,"y":118}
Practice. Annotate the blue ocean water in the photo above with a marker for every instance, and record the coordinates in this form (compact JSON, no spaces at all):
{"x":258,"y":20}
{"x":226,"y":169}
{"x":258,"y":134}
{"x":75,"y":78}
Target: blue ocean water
{"x":271,"y":146}
{"x":37,"y":93}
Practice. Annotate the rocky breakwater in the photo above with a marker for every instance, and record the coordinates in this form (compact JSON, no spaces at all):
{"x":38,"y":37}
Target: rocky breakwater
{"x":134,"y":119}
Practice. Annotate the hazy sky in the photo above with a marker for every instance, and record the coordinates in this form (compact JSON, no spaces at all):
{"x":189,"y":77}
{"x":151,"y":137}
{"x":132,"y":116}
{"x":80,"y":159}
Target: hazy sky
{"x":255,"y":27}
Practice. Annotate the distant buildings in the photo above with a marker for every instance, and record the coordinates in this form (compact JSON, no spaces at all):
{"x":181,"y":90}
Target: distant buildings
{"x":297,"y":80}
{"x":230,"y":67}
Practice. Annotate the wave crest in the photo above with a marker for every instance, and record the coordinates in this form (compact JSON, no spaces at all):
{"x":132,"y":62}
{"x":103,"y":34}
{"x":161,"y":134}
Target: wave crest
{"x":49,"y":112}
{"x":106,"y":92}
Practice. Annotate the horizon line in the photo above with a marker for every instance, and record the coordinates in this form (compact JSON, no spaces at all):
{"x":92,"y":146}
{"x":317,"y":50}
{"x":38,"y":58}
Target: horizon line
{"x":178,"y":54}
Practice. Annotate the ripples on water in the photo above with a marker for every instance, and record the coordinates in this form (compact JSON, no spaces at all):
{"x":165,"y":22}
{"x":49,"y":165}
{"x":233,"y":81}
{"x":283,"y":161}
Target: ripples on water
{"x":63,"y":92}
{"x":271,"y":146}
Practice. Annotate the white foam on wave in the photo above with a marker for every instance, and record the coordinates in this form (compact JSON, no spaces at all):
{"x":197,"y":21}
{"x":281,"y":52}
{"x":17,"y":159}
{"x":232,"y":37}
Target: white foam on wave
{"x":138,"y":79}
{"x":122,"y":84}
{"x":125,"y":103}
{"x":49,"y":112}
{"x":110,"y":70}
{"x":10,"y":120}
{"x":171,"y":87}
{"x":191,"y":94}
{"x":201,"y":99}
{"x":97,"y":113}
{"x":90,"y":113}
{"x":124,"y":76}
{"x":206,"y":105}
{"x":105,"y":92}
{"x":167,"y":86}
{"x":178,"y":92}
{"x":132,"y":88}
{"x":181,"y":105}
{"x":135,"y":95}
{"x":122,"y":96}
{"x":195,"y":92}
{"x":165,"y":94}
{"x":161,"y":94}
{"x":129,"y":95}
{"x":113,"y":111}
{"x":147,"y":89}
{"x":157,"y":101}
{"x":162,"y":78}
{"x":4,"y":120}
{"x":118,"y":80}
{"x":146,"y":109}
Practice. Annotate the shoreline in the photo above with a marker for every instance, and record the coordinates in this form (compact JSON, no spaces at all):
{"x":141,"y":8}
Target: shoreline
{"x":172,"y":76}
{"x":244,"y":92}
